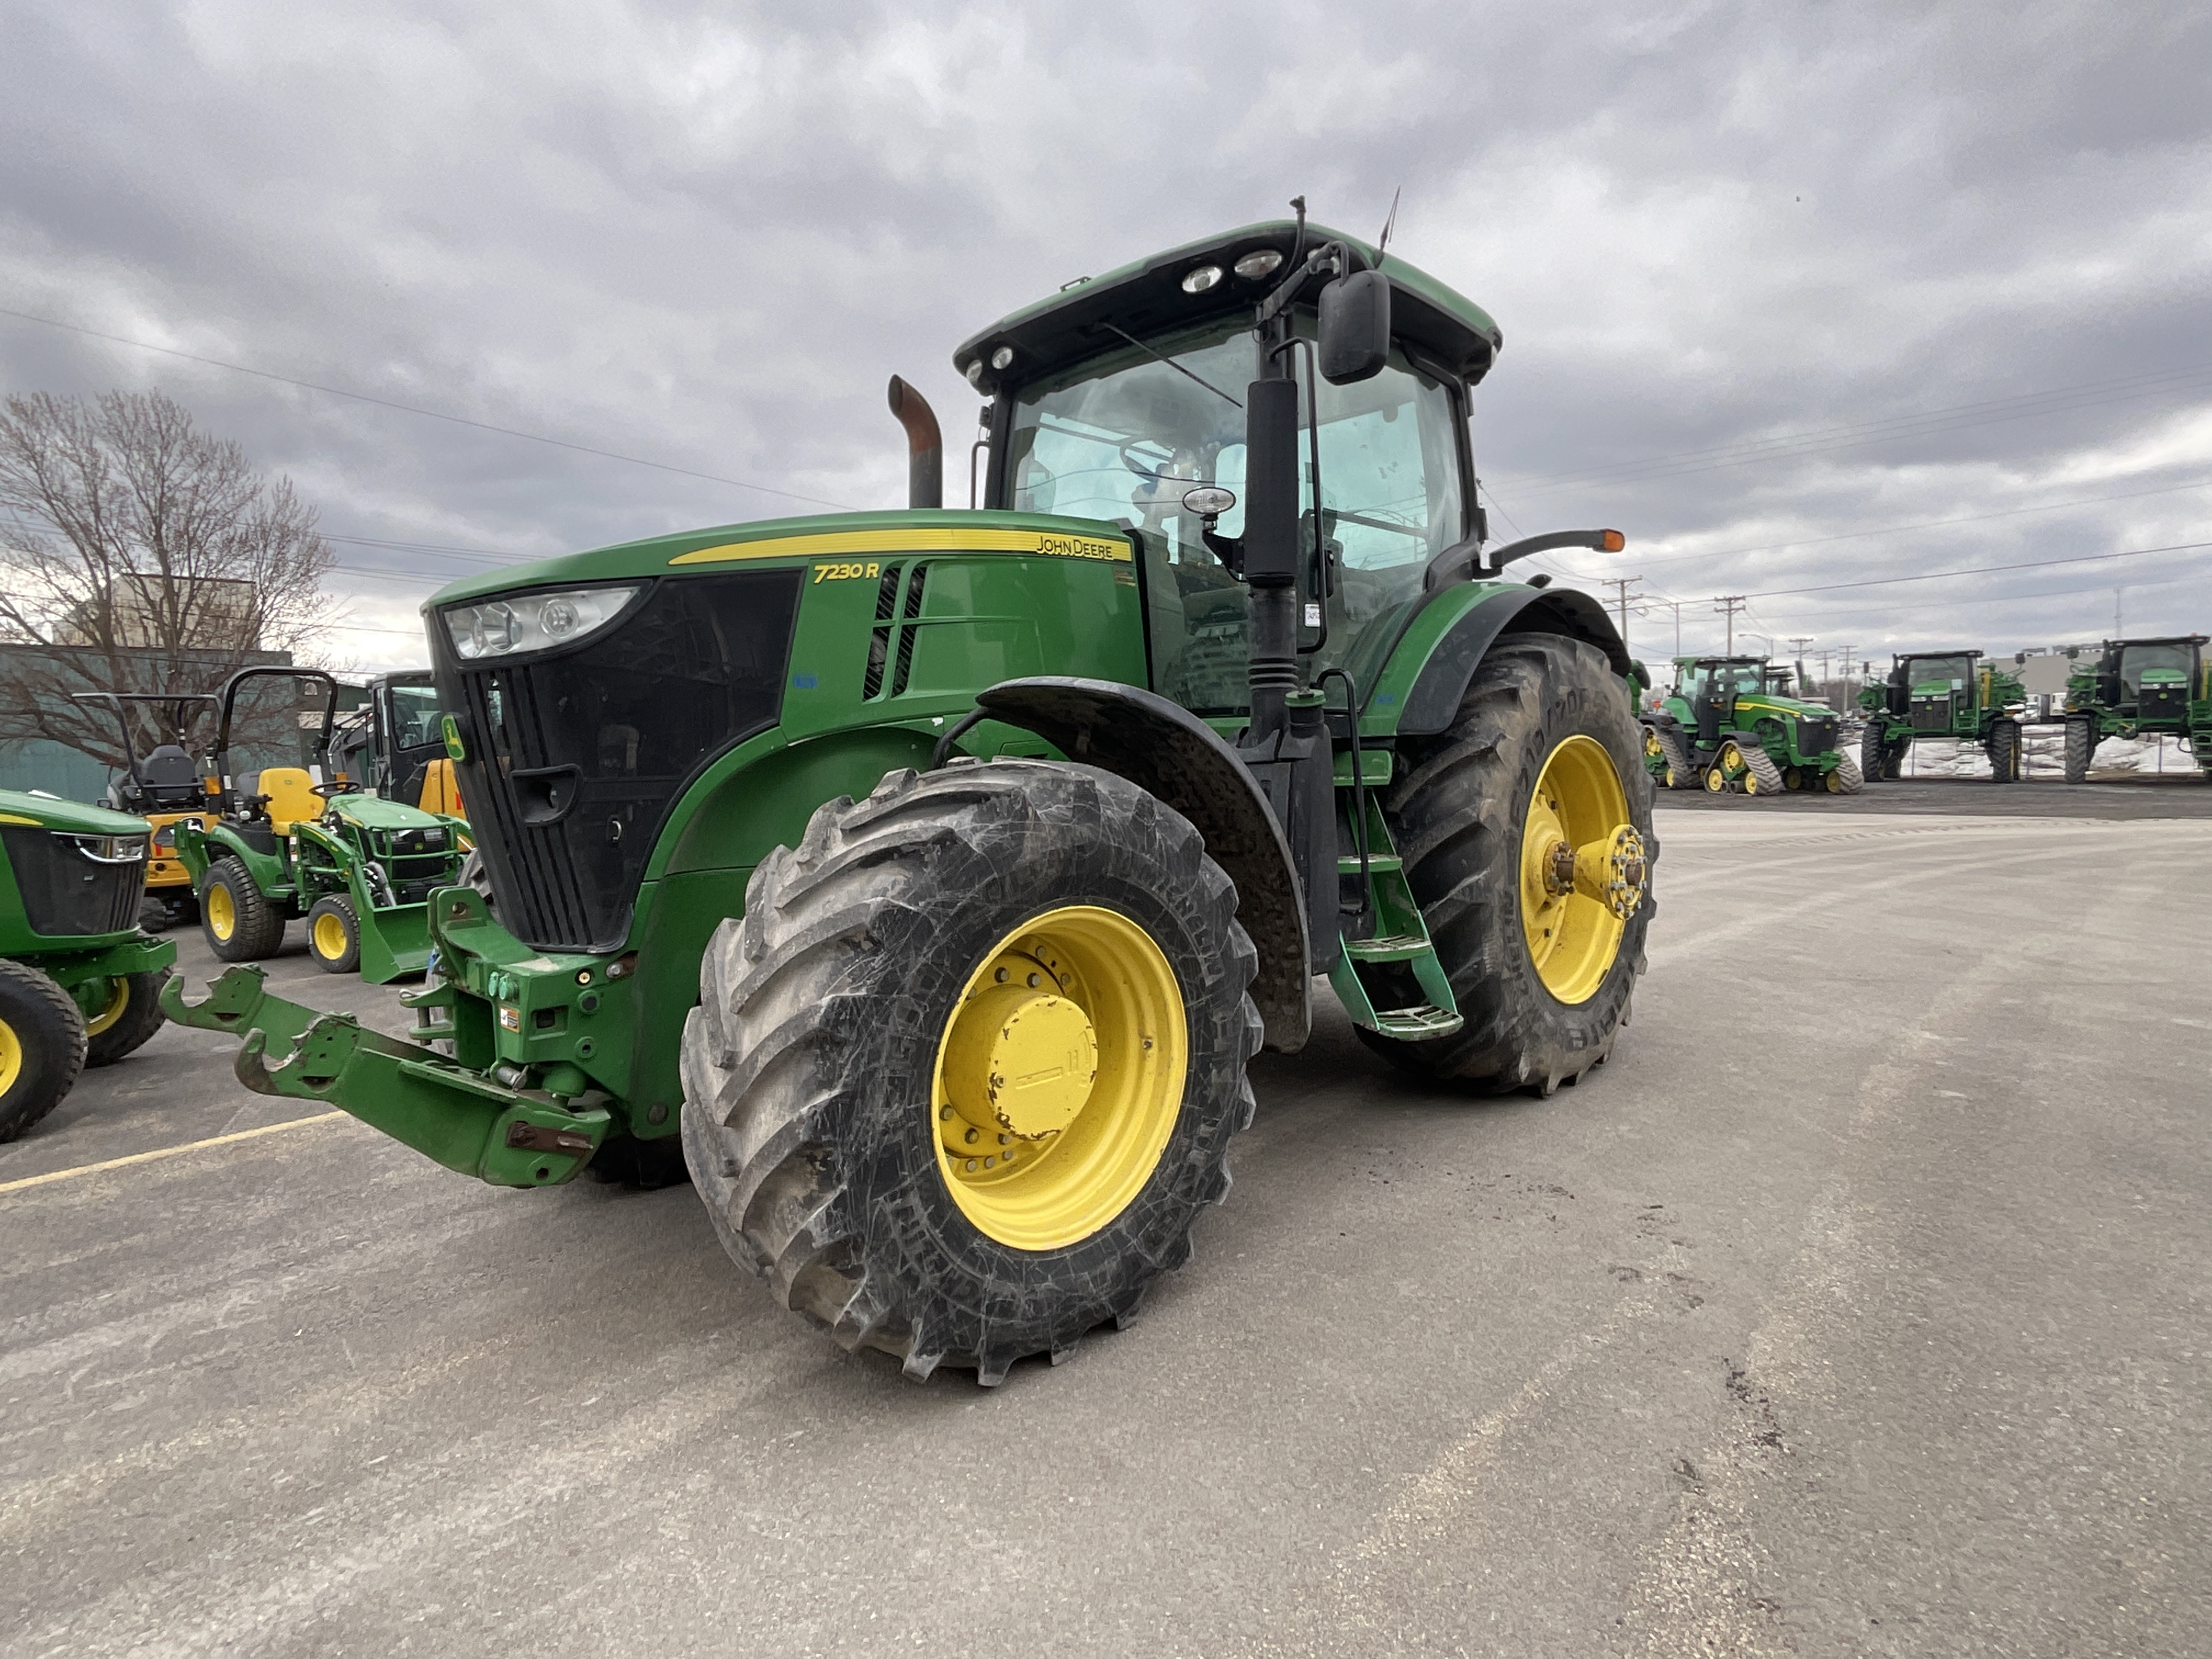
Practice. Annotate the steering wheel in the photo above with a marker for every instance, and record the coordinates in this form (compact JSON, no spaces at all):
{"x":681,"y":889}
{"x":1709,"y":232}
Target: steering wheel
{"x":327,"y":790}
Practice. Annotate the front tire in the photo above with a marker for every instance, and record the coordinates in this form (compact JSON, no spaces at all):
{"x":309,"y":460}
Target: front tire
{"x":334,"y":935}
{"x":41,"y":1046}
{"x":131,"y":1014}
{"x":239,"y":923}
{"x":1461,"y":816}
{"x":876,"y":1033}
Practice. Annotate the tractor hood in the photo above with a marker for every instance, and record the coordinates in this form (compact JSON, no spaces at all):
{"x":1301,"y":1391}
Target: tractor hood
{"x":68,"y":816}
{"x":373,"y":813}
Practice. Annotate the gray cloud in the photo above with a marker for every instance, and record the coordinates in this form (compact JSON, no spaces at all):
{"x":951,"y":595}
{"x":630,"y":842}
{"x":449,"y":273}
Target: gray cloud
{"x":706,"y":237}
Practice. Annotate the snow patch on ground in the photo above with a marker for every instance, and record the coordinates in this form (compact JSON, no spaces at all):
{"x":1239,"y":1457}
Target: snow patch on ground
{"x":2044,"y":753}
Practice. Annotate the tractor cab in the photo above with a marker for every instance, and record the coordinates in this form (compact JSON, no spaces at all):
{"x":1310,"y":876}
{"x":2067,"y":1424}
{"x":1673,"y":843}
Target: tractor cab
{"x":1936,"y":694}
{"x":393,"y":746}
{"x":159,"y":782}
{"x":1730,"y":723}
{"x":2156,"y":680}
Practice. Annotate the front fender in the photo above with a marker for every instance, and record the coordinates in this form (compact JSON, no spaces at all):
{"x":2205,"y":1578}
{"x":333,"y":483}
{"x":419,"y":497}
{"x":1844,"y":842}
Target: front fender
{"x":1444,"y":673}
{"x":1165,"y":750}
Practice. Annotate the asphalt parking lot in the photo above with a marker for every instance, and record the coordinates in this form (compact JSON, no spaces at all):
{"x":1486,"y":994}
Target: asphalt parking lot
{"x":1858,"y":1306}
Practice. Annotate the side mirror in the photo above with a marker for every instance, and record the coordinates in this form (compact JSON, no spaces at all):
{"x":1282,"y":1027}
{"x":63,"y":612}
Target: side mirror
{"x":1355,"y":327}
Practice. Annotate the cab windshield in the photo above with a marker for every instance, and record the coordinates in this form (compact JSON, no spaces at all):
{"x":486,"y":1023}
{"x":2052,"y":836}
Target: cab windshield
{"x":1950,"y":672}
{"x":1706,"y":679}
{"x":1122,"y":437}
{"x":2178,"y":660}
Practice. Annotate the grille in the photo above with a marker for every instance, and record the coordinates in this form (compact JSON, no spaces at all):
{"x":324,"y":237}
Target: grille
{"x":2162,"y":702}
{"x":577,"y":758}
{"x":1815,"y":737}
{"x":67,"y":895}
{"x":1931,"y":714}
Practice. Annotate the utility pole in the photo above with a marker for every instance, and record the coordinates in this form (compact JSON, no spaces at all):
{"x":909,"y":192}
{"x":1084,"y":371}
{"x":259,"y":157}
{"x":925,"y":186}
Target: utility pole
{"x":1731,"y":605}
{"x":1797,"y":644}
{"x":2119,"y":630}
{"x":1620,"y":585}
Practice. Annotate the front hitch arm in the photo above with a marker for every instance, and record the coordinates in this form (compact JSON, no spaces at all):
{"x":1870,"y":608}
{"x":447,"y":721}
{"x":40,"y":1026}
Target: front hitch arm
{"x":467,"y":1121}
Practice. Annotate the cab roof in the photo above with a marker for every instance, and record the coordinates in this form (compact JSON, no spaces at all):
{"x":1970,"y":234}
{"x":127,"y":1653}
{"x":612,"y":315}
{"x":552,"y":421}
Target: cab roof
{"x":1449,"y":332}
{"x":1694,"y":662}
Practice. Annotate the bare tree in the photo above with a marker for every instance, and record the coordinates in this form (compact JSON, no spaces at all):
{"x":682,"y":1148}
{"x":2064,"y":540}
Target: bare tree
{"x":139,"y":553}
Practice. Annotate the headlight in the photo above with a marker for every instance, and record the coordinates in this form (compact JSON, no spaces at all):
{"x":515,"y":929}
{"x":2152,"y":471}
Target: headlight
{"x":1200,"y":280}
{"x":1259,"y":262}
{"x":533,"y":621}
{"x":111,"y":850}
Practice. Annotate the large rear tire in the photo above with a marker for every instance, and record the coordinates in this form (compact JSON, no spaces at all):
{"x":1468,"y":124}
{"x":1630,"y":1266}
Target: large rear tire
{"x":2081,"y":748}
{"x":41,"y":1046}
{"x":239,"y":923}
{"x":2004,"y":751}
{"x":130,"y":1015}
{"x":1460,"y":817}
{"x":909,"y":997}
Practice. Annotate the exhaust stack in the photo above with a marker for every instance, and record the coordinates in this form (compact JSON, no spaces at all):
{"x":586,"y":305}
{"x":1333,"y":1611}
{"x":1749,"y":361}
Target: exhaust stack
{"x":924,"y":445}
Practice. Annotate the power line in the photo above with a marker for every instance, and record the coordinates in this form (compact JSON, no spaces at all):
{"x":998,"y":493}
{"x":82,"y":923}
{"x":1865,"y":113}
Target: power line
{"x":1979,"y":570}
{"x":1728,"y":604}
{"x":410,"y":409}
{"x":1925,"y":423}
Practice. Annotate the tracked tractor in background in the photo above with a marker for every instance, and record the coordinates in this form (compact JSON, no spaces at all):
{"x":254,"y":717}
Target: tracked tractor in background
{"x":2141,"y":689}
{"x":1726,"y":726}
{"x":931,"y":878}
{"x":1948,"y":696}
{"x":80,"y":982}
{"x":298,"y":842}
{"x":164,"y":785}
{"x":393,"y":746}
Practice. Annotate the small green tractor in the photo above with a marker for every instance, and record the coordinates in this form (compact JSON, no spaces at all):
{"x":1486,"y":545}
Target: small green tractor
{"x":930,"y":878}
{"x":80,"y":985}
{"x":285,"y":842}
{"x":2141,"y":689}
{"x":1730,"y":725}
{"x":1948,"y":694}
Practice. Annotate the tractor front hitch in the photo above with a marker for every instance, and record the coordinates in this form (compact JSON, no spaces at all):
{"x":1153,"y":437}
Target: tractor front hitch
{"x":468,"y":1121}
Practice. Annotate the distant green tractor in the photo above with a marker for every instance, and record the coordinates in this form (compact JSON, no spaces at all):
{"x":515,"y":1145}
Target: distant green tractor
{"x":1729,"y":725}
{"x":79,"y":984}
{"x":2141,"y":689}
{"x":290,"y":843}
{"x":1943,"y":695}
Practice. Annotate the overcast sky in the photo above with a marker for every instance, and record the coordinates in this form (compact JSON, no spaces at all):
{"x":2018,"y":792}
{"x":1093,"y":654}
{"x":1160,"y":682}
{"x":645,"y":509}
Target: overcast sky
{"x":1782,"y":287}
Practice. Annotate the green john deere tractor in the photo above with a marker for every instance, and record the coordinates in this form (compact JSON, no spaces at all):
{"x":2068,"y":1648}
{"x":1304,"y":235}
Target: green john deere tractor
{"x":80,"y":985}
{"x":1948,"y":694}
{"x":931,"y":877}
{"x":2139,"y":689}
{"x":1730,"y":725}
{"x":286,"y":842}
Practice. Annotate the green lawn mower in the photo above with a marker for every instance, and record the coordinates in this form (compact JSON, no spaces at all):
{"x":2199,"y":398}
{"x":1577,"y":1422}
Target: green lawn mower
{"x":80,"y":985}
{"x":288,"y":843}
{"x":925,"y":881}
{"x":1729,"y":724}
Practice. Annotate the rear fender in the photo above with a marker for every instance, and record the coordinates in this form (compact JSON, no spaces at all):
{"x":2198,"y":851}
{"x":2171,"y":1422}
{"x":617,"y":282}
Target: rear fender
{"x":1165,"y":750}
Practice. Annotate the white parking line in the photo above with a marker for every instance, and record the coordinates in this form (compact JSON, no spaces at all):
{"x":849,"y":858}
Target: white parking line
{"x":166,"y":1151}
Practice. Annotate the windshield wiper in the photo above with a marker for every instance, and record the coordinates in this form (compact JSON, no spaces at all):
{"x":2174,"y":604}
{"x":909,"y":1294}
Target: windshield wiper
{"x":1170,"y":361}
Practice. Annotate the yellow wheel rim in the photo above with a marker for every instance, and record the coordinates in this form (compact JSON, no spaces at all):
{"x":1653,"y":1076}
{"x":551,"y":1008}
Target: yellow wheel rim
{"x":12,"y":1057}
{"x":328,"y":936}
{"x":119,"y":998}
{"x":1835,"y":783}
{"x":1059,"y":1078}
{"x":1582,"y":869}
{"x":222,"y":911}
{"x":1793,"y":779}
{"x":1716,"y":779}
